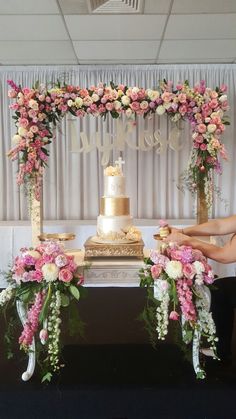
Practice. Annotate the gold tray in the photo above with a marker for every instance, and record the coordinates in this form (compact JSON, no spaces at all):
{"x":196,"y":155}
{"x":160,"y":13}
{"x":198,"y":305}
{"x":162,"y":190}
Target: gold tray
{"x":56,"y":236}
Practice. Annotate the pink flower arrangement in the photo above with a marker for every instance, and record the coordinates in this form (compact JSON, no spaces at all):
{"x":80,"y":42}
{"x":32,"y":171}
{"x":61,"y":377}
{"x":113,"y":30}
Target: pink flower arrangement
{"x":44,"y":280}
{"x":38,"y":109}
{"x":46,"y":263}
{"x":176,"y":276}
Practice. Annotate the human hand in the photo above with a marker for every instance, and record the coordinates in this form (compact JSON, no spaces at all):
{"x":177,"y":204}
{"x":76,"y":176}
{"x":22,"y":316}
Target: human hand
{"x":176,"y":236}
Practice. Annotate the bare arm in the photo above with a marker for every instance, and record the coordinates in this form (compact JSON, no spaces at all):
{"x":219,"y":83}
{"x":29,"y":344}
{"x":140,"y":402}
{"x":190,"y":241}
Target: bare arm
{"x":217,"y":227}
{"x":225,"y":254}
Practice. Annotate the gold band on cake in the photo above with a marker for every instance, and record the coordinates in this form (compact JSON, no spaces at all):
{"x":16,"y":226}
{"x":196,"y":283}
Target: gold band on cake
{"x":114,"y":206}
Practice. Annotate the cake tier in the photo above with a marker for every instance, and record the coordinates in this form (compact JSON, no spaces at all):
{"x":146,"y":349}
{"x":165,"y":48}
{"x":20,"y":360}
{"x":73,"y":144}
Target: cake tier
{"x":118,"y":206}
{"x":114,"y":186}
{"x":106,"y":225}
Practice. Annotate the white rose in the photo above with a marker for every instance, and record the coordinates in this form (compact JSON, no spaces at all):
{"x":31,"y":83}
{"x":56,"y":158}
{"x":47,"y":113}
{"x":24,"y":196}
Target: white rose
{"x":95,"y":97}
{"x":211,"y":128}
{"x":16,"y":139}
{"x":125,"y":100}
{"x":199,"y":267}
{"x":160,"y":110}
{"x":174,"y":269}
{"x":223,"y":98}
{"x":117,"y":105}
{"x":50,"y":272}
{"x":79,"y":102}
{"x":167,"y":105}
{"x":34,"y":253}
{"x":207,"y":120}
{"x":70,"y":103}
{"x":22,"y":131}
{"x":135,"y":90}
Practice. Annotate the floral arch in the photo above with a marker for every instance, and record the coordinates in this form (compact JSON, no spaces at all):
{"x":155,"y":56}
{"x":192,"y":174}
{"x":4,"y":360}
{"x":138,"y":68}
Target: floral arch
{"x":39,"y":109}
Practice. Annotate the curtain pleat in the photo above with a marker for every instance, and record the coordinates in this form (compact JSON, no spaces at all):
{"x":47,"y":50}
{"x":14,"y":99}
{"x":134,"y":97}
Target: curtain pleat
{"x":73,"y":182}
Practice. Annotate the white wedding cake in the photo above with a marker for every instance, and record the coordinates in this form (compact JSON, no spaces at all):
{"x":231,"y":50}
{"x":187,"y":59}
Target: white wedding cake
{"x":114,"y":223}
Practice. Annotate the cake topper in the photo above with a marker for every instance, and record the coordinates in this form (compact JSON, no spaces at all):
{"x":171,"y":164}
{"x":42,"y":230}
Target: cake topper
{"x":119,"y":163}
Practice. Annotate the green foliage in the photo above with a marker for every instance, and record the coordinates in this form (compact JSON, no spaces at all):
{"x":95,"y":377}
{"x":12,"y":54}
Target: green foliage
{"x":74,"y":292}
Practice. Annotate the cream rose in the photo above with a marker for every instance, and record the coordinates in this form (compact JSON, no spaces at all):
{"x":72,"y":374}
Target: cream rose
{"x":79,"y":102}
{"x":22,"y":131}
{"x":152,"y":94}
{"x":211,"y":128}
{"x":160,"y":110}
{"x":33,"y":104}
{"x":117,"y":105}
{"x":125,"y":100}
{"x":223,"y":98}
{"x":34,"y":254}
{"x":95,"y":97}
{"x":16,"y":139}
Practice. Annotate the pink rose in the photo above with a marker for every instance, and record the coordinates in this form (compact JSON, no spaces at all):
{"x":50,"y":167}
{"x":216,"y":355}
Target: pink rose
{"x":188,"y":271}
{"x":135,"y":106}
{"x":201,"y":128}
{"x":109,"y":106}
{"x":182,"y":97}
{"x":156,"y":271}
{"x":203,"y":147}
{"x":65,"y":275}
{"x":174,"y":315}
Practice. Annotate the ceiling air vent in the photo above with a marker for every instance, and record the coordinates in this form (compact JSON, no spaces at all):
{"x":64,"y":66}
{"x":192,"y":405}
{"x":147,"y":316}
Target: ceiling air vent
{"x":115,"y":6}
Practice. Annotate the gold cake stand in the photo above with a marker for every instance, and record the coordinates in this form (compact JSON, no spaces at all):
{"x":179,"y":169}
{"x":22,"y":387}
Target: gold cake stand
{"x":113,"y":250}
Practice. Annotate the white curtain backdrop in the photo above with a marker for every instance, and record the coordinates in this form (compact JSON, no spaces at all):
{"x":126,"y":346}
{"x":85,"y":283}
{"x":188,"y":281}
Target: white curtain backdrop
{"x":73,"y":181}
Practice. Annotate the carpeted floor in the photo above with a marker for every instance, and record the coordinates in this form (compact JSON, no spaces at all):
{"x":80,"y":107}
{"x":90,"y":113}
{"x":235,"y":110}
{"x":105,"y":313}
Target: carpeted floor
{"x":113,"y":373}
{"x":119,"y":382}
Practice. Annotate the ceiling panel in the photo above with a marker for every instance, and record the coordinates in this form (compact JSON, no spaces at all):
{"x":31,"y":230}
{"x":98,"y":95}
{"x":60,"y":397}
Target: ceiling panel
{"x":115,"y":27}
{"x":204,"y":6}
{"x":201,"y":26}
{"x":116,"y":50}
{"x":157,"y":6}
{"x":28,"y":7}
{"x":70,"y":7}
{"x":44,"y":52}
{"x":179,"y":51}
{"x":31,"y":28}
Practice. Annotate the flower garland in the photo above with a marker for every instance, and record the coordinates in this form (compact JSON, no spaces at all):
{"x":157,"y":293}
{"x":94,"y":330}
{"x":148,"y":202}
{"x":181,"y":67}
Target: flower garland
{"x":44,"y":279}
{"x":176,"y":276}
{"x":39,"y":109}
